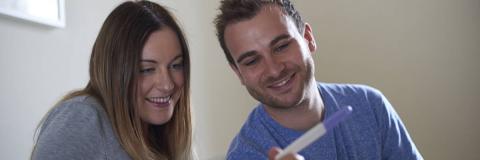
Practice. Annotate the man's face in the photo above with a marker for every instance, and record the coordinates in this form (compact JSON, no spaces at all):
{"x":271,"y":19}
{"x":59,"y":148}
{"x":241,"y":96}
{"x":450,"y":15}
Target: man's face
{"x":272,"y":59}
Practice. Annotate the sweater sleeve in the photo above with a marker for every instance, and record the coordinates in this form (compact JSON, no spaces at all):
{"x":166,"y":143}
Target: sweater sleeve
{"x":397,"y":144}
{"x":71,"y":131}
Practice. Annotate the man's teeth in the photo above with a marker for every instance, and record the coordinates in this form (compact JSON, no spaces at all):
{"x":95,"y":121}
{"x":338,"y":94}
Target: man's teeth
{"x":281,"y":83}
{"x":159,"y":99}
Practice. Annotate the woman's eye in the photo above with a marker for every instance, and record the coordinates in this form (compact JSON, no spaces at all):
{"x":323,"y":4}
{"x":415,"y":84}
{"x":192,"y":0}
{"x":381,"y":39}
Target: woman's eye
{"x":177,"y":66}
{"x":147,"y":70}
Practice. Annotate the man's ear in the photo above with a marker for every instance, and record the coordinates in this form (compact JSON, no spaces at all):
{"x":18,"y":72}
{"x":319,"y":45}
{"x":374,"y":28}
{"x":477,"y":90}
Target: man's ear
{"x":308,"y":35}
{"x":237,"y":72}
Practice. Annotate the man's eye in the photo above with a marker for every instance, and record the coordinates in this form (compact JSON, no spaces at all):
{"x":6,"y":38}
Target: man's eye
{"x":282,"y":47}
{"x":250,"y":62}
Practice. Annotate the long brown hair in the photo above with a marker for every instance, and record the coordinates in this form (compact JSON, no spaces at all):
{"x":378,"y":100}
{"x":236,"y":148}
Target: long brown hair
{"x":114,"y":68}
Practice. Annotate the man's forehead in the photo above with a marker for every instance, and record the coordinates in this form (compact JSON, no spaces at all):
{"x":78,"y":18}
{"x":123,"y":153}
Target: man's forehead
{"x":258,"y":31}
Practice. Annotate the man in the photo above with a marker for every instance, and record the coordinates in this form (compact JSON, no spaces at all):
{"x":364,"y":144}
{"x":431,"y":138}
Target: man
{"x":270,"y":48}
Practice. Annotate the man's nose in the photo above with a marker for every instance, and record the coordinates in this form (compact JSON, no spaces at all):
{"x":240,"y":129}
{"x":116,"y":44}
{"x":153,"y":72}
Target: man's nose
{"x":273,"y":67}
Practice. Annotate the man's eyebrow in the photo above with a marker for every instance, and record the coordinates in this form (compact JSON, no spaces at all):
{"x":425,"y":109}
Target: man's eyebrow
{"x":279,"y":38}
{"x":272,"y":43}
{"x":245,"y":55}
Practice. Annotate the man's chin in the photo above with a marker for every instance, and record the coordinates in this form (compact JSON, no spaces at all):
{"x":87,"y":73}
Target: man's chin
{"x":278,"y":107}
{"x":285,"y":104}
{"x":276,"y":101}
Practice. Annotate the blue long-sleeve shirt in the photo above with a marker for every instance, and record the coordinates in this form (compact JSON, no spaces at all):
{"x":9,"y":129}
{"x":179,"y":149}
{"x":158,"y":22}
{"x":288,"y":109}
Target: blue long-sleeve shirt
{"x":374,"y":131}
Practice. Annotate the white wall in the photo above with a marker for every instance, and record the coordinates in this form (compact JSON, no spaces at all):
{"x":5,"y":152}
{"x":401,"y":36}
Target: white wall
{"x":422,"y":54}
{"x":38,"y":65}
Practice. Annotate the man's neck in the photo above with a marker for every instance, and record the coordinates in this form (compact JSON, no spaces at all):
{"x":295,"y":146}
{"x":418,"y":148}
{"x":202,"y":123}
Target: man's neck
{"x":301,"y":117}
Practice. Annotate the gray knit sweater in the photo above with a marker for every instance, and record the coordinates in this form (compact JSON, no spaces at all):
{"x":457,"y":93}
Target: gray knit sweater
{"x":78,"y":129}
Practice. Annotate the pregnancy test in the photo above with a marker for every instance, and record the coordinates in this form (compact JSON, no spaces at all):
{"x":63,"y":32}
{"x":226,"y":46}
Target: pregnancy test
{"x":316,"y":132}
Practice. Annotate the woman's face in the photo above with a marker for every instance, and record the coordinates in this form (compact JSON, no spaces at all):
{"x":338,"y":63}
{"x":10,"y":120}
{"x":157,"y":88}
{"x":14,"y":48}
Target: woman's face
{"x":161,"y":77}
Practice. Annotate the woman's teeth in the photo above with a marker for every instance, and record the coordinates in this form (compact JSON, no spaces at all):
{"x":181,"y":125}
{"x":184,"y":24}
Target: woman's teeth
{"x":159,"y":99}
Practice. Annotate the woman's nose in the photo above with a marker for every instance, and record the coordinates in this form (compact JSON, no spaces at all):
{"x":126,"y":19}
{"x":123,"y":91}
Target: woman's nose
{"x":164,"y":81}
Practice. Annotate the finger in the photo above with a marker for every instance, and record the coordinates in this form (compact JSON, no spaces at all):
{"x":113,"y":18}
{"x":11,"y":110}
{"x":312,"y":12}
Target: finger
{"x":273,"y":152}
{"x":299,"y":157}
{"x":293,"y":157}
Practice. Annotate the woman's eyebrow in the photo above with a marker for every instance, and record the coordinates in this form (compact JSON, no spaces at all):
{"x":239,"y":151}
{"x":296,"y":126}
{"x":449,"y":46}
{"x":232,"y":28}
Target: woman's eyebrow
{"x":148,"y":61}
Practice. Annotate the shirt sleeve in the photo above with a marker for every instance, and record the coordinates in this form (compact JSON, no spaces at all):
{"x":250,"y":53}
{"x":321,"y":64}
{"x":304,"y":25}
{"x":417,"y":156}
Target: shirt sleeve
{"x":242,"y":148}
{"x":71,"y":131}
{"x":397,"y":144}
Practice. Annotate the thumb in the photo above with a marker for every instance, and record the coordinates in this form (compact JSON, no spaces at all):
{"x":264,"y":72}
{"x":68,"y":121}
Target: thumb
{"x":273,"y":152}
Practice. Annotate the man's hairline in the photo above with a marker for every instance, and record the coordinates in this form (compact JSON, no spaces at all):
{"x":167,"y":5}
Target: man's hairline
{"x":283,"y":12}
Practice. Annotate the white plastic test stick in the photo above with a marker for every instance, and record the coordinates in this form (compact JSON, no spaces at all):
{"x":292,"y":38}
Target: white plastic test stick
{"x":316,"y":132}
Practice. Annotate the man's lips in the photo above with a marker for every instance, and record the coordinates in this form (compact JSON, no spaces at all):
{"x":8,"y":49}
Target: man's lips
{"x":282,"y":82}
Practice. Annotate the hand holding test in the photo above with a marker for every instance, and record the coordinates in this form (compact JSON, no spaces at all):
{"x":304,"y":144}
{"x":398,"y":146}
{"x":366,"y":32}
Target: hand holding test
{"x":316,"y":132}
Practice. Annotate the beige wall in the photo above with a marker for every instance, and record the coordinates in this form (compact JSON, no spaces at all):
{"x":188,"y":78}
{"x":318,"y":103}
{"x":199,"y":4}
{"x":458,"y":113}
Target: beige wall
{"x":219,"y":102}
{"x":422,"y":54}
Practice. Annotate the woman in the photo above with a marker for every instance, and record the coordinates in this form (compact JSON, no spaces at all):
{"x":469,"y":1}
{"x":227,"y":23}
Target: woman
{"x":136,"y":103}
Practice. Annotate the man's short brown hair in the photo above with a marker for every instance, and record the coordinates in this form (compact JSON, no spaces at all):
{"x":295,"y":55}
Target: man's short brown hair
{"x":232,"y":11}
